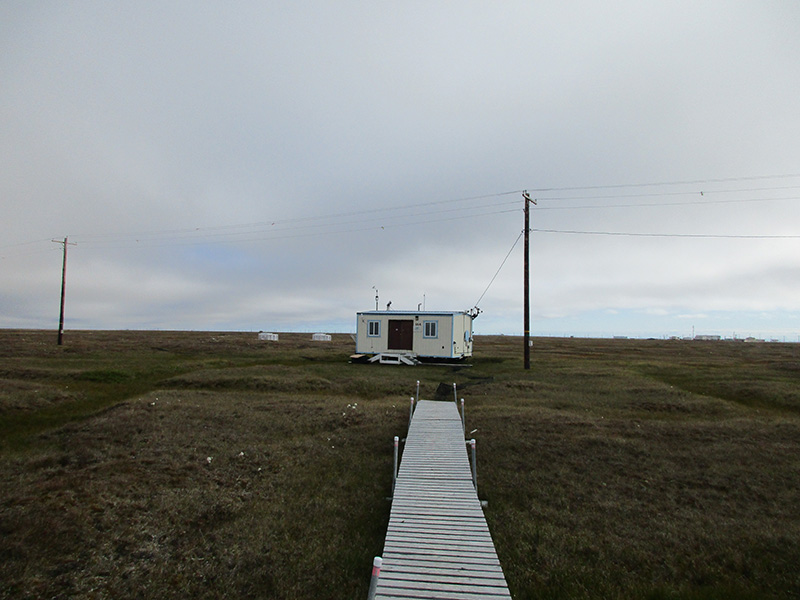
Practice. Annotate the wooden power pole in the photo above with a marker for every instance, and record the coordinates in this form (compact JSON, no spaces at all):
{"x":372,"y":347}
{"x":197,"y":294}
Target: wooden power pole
{"x":63,"y":289}
{"x":527,"y":281}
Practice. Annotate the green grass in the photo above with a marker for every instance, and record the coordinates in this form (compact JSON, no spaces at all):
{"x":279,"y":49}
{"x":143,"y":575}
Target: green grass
{"x":613,"y":468}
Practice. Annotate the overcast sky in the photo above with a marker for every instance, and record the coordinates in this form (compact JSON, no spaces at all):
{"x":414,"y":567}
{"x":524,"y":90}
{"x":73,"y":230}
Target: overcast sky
{"x":267,"y":165}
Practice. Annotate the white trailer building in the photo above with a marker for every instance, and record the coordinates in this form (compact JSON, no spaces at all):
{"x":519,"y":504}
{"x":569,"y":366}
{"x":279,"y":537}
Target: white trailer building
{"x":423,"y":334}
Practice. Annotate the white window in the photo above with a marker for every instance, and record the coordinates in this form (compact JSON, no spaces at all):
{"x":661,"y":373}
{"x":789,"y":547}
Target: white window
{"x":374,"y":328}
{"x":430,"y":329}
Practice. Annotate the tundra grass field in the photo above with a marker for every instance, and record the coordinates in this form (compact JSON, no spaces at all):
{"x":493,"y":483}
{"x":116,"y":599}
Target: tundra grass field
{"x":207,"y":465}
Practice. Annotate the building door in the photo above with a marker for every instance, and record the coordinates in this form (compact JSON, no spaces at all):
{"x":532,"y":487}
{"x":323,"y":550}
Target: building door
{"x":401,"y":334}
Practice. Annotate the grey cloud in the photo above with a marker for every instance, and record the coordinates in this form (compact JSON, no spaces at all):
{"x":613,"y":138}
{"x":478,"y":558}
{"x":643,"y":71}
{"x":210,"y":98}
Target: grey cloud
{"x":139,"y":129}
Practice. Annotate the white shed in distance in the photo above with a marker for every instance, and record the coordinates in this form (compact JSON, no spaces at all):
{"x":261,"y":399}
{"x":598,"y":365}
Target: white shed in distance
{"x":321,"y":337}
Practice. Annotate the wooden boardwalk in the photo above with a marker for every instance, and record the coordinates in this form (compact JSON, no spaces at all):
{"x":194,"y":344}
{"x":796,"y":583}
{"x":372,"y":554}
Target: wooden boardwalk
{"x":438,"y":545}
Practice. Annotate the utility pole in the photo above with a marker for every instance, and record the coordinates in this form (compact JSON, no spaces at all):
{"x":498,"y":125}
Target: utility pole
{"x":65,"y":243}
{"x":527,"y":281}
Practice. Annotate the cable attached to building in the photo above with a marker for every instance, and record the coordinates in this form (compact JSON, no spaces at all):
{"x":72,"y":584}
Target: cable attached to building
{"x":514,"y":245}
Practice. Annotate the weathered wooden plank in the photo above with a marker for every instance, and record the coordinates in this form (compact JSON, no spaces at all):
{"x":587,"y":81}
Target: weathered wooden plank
{"x":484,"y":589}
{"x":447,"y":519}
{"x":427,"y":541}
{"x":445,"y":513}
{"x":427,"y":588}
{"x":432,"y":495}
{"x":430,"y":485}
{"x":438,"y":534}
{"x":442,"y":511}
{"x":435,"y":479}
{"x":442,"y":560}
{"x":410,"y":507}
{"x":434,"y":527}
{"x":460,"y":544}
{"x":406,"y":499}
{"x":463,"y":578}
{"x":469,"y":582}
{"x":432,"y":590}
{"x":448,"y":507}
{"x":424,"y":567}
{"x":437,"y":489}
{"x":442,"y":522}
{"x":474,"y":536}
{"x":429,"y":595}
{"x":455,"y":484}
{"x":451,"y":550}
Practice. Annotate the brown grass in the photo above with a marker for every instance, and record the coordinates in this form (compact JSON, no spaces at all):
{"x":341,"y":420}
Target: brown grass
{"x":613,"y":469}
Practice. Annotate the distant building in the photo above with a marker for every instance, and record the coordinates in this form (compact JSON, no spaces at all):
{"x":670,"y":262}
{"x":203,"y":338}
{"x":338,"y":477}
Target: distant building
{"x":708,"y":338}
{"x":269,"y":337}
{"x":425,"y":334}
{"x":321,"y":337}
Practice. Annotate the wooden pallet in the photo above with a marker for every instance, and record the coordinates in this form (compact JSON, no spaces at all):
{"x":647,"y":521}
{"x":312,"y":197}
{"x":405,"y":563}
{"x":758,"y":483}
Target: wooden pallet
{"x":395,"y":358}
{"x":438,"y":544}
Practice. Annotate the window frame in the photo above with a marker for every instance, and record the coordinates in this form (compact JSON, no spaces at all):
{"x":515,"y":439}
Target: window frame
{"x":427,"y":326}
{"x":374,"y":328}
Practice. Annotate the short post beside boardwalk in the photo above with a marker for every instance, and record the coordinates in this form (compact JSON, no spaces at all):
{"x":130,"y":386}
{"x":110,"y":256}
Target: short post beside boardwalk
{"x":376,"y":573}
{"x":394,"y":470}
{"x":472,"y":444}
{"x":438,"y":544}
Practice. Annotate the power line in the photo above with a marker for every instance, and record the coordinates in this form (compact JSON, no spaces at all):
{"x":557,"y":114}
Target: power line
{"x":671,"y":235}
{"x":662,"y":183}
{"x":322,"y":217}
{"x":31,"y":253}
{"x":256,"y":228}
{"x":266,"y":238}
{"x":309,"y":225}
{"x":666,"y":204}
{"x":702,"y":192}
{"x":17,"y":245}
{"x":215,"y":235}
{"x":325,"y":219}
